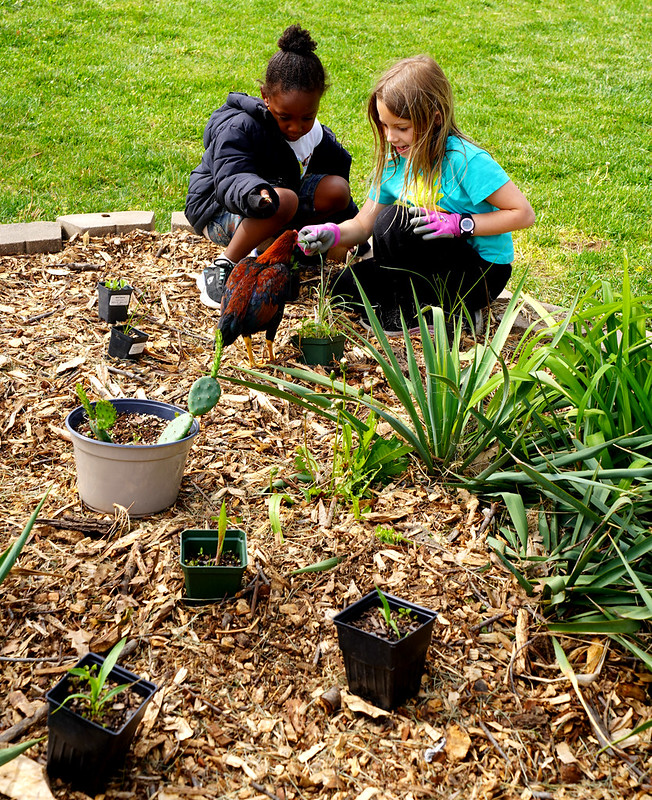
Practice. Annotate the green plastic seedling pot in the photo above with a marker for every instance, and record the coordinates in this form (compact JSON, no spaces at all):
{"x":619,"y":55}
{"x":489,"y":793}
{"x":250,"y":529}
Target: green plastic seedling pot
{"x":384,"y":673}
{"x":320,"y":351}
{"x":208,"y":582}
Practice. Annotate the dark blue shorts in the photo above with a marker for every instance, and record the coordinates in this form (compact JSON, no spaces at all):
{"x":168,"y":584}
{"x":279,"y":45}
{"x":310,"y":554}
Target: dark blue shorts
{"x":224,"y":224}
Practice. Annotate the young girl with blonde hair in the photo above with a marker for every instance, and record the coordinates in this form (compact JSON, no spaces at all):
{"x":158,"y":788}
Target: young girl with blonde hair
{"x":440,"y":210}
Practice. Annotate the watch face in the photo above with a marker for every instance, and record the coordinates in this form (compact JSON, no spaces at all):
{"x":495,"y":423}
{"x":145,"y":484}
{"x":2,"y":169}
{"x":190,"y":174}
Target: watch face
{"x":467,"y":225}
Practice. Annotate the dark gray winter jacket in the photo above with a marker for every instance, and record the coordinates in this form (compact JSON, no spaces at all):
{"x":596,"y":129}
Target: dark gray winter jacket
{"x":245,"y":152}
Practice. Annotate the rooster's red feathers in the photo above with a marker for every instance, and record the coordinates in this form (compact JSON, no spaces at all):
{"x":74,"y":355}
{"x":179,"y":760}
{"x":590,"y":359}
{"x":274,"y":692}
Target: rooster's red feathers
{"x":256,"y":292}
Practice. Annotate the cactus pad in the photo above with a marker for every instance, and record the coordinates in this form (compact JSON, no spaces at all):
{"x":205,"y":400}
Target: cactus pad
{"x":105,"y":414}
{"x":176,"y":429}
{"x":204,"y":395}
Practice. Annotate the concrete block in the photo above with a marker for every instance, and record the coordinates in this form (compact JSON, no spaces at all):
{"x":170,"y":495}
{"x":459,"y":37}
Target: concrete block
{"x":106,"y":224}
{"x":180,"y":223}
{"x":30,"y":237}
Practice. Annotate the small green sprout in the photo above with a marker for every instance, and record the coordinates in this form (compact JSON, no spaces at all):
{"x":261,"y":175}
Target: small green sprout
{"x":387,"y":613}
{"x":113,"y":284}
{"x":389,"y":535}
{"x":98,"y":694}
{"x":221,"y":533}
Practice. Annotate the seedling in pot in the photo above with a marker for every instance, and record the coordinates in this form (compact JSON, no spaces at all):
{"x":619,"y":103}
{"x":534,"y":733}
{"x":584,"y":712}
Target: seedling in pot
{"x":98,"y":693}
{"x":221,"y":533}
{"x":101,"y":416}
{"x":386,"y":613}
{"x":129,"y":326}
{"x":115,"y":283}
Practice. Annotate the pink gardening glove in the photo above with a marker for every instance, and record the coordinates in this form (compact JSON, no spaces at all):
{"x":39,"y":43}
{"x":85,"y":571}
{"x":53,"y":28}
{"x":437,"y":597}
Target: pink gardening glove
{"x":435,"y":224}
{"x":318,"y":238}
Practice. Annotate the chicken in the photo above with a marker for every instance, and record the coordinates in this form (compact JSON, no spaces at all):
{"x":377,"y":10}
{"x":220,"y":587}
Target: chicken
{"x":255,"y":295}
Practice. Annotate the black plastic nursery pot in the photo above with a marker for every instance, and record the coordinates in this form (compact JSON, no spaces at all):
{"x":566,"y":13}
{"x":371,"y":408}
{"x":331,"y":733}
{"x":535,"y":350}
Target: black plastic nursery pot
{"x":113,"y":304}
{"x":129,"y":345}
{"x":209,"y":583}
{"x":320,"y":351}
{"x":82,"y":752}
{"x":384,"y":673}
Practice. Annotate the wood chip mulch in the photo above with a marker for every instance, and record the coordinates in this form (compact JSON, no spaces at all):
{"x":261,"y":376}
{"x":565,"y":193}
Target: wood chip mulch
{"x":248,"y":704}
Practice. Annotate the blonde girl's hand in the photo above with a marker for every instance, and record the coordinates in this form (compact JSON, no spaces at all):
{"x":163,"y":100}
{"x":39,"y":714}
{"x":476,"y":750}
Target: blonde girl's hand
{"x":318,"y":238}
{"x":435,"y":224}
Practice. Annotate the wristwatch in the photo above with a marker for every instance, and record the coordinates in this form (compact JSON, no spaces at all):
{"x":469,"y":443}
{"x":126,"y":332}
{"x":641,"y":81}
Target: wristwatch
{"x":467,"y":226}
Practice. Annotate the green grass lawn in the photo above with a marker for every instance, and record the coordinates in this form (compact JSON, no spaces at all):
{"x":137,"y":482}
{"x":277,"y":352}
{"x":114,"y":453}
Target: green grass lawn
{"x":104,"y":103}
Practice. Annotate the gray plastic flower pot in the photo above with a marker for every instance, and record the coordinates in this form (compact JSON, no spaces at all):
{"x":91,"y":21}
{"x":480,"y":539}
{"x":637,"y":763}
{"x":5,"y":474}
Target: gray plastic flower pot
{"x":143,"y":478}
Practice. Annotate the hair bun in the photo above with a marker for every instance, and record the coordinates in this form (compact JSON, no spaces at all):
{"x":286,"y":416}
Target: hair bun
{"x":296,"y":39}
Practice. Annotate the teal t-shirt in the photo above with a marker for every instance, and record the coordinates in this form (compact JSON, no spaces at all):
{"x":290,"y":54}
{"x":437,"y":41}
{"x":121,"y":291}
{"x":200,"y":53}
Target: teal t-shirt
{"x":469,"y":175}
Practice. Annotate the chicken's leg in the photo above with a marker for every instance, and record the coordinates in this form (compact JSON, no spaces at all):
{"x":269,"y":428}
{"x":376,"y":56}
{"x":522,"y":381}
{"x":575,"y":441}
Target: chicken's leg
{"x":270,"y":350}
{"x":250,"y":352}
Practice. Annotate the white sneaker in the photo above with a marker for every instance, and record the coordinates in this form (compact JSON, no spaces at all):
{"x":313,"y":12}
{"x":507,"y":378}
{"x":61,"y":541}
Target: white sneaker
{"x":211,"y":283}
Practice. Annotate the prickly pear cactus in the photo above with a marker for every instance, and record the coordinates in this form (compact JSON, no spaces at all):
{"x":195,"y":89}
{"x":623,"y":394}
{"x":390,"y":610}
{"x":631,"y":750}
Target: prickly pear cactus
{"x":204,"y":395}
{"x":101,"y":416}
{"x":176,"y":429}
{"x":217,"y":358}
{"x":105,"y":414}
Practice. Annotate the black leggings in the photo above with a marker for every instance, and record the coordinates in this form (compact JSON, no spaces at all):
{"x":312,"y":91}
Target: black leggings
{"x":444,"y":272}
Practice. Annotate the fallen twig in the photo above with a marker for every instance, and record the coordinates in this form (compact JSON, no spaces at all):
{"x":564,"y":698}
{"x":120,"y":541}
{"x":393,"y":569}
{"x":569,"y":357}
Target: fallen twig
{"x":489,"y":736}
{"x":260,"y":788}
{"x":80,"y":266}
{"x":25,"y":724}
{"x":126,"y":374}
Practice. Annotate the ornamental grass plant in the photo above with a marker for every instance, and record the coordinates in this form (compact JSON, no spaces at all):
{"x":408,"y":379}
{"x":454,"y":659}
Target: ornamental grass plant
{"x":583,"y":463}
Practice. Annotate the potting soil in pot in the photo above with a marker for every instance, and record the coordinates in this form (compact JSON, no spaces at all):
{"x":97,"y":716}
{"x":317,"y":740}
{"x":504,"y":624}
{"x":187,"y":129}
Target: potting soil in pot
{"x":229,"y":558}
{"x":131,"y":428}
{"x":373,"y":621}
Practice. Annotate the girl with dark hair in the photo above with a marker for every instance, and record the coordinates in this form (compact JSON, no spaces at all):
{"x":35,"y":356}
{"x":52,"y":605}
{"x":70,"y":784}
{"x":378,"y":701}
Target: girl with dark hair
{"x":440,"y":209}
{"x":268,"y":164}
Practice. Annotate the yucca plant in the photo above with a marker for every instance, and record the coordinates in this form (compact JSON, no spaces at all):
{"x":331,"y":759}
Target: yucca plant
{"x":10,"y":554}
{"x":448,"y":410}
{"x":8,"y":754}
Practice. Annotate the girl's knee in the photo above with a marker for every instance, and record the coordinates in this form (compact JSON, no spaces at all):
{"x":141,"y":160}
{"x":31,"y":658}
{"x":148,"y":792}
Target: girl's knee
{"x":394,"y":218}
